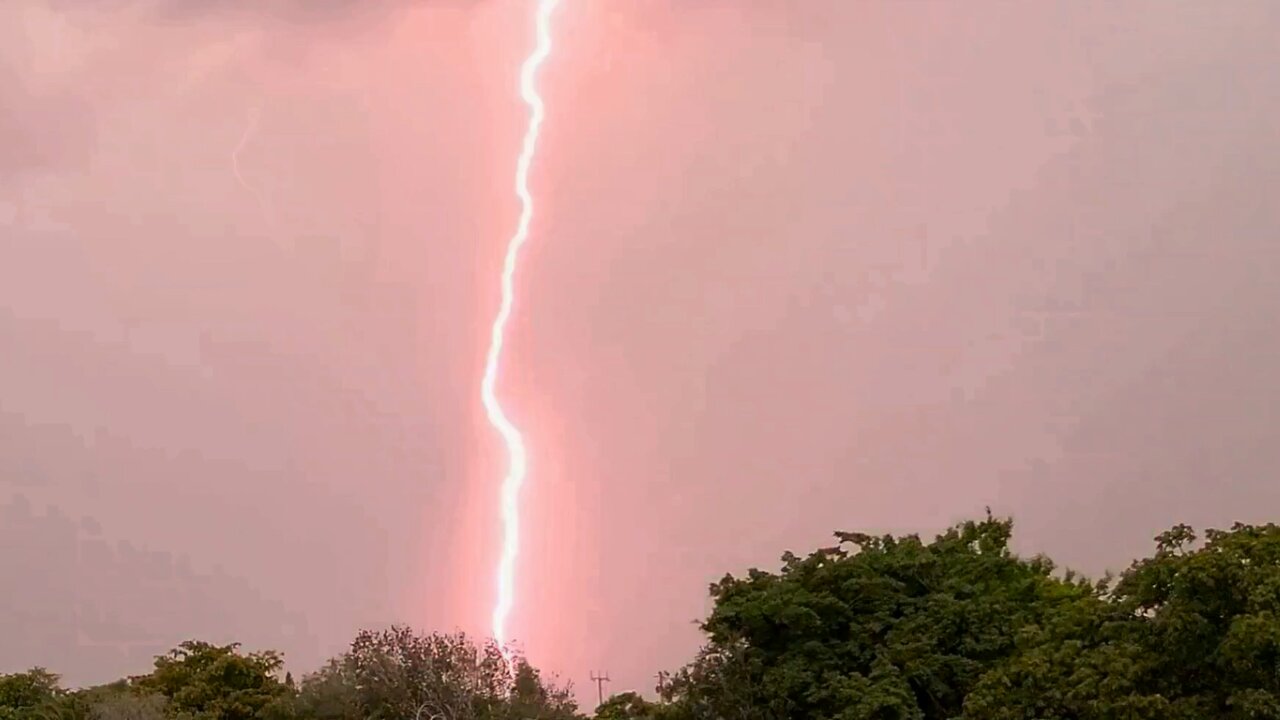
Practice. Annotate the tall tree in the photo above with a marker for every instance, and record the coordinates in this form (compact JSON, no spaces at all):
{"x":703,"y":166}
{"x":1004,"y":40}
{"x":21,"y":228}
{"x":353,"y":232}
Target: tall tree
{"x":401,"y":675}
{"x":1189,"y":633}
{"x":875,"y":627}
{"x":24,"y":695}
{"x":1211,"y":620}
{"x":215,"y":682}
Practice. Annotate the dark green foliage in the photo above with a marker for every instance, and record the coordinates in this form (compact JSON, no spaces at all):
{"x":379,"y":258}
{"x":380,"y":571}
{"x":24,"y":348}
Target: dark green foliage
{"x":1212,"y":631}
{"x":892,"y":628}
{"x":30,"y":695}
{"x":876,"y":627}
{"x":37,"y":695}
{"x":215,"y":682}
{"x":1187,"y":633}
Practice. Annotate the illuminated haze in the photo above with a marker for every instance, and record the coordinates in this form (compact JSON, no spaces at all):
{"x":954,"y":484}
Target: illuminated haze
{"x":798,"y":267}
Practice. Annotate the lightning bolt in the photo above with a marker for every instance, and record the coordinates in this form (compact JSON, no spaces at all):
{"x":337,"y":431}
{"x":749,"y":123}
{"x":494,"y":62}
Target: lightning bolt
{"x":509,"y":509}
{"x":249,"y":132}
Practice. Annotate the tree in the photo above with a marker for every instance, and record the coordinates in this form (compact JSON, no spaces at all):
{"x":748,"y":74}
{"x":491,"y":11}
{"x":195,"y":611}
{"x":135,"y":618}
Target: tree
{"x":627,"y":706}
{"x":1186,"y":634}
{"x":400,"y":675}
{"x":30,"y":695}
{"x":27,"y":690}
{"x":215,"y":682}
{"x":329,"y":694}
{"x":873,"y":628}
{"x":1211,"y":620}
{"x":1085,"y":663}
{"x":128,"y":706}
{"x":532,"y":697}
{"x":721,"y":682}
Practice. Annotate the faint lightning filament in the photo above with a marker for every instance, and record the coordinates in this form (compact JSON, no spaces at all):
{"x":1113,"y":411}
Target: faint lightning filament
{"x":249,"y":131}
{"x":509,"y":509}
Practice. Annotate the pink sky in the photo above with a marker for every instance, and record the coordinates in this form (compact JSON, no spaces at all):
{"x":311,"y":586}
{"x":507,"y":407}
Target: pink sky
{"x":797,"y":268}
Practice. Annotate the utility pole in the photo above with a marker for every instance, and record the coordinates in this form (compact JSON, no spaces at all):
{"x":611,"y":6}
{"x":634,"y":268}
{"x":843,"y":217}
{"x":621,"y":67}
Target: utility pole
{"x":600,"y":680}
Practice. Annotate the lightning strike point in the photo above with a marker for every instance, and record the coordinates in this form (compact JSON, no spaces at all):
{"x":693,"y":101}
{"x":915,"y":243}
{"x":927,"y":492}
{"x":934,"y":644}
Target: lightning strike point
{"x":509,"y":510}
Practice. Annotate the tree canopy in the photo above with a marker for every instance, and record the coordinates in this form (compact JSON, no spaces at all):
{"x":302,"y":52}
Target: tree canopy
{"x":215,"y":682}
{"x":871,"y":628}
{"x":961,"y":628}
{"x":396,"y":674}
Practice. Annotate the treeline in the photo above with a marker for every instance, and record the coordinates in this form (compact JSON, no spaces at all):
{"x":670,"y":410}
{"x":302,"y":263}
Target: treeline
{"x":395,"y":674}
{"x":893,"y":628}
{"x":872,"y":628}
